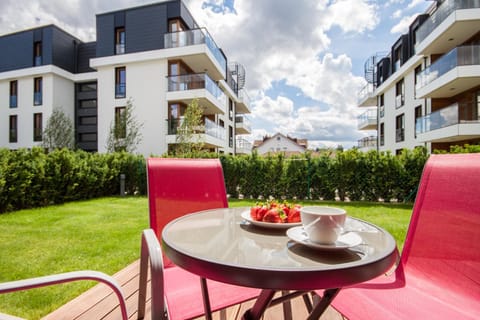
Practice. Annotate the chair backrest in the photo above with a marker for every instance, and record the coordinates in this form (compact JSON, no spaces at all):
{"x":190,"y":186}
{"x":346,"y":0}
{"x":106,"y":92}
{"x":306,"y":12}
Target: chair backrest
{"x":180,"y":186}
{"x":443,"y":240}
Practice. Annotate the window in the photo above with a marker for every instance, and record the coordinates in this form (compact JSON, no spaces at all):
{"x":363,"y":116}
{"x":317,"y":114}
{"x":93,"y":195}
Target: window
{"x":88,"y":120}
{"x":230,"y":136}
{"x":120,"y":80}
{"x":381,"y":103}
{"x":120,"y":40}
{"x":88,"y":137}
{"x":400,"y":128}
{"x":177,"y":38}
{"x":86,"y":104}
{"x":230,"y":109}
{"x":13,"y":93}
{"x":120,"y":123}
{"x":418,"y":123}
{"x":175,"y":115}
{"x":400,"y":93}
{"x":88,"y":87}
{"x":418,"y":80}
{"x":37,"y":53}
{"x":13,"y":129}
{"x":397,"y":62}
{"x":37,"y":91}
{"x":382,"y":134}
{"x":37,"y":127}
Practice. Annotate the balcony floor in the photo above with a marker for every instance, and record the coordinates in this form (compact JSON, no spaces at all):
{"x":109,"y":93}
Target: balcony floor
{"x":101,"y":303}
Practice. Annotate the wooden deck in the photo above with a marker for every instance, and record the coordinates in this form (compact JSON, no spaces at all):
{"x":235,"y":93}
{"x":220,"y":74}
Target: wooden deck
{"x":101,"y":303}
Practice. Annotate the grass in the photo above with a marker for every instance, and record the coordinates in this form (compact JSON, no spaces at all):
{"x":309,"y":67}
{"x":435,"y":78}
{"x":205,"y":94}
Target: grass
{"x":104,"y":235}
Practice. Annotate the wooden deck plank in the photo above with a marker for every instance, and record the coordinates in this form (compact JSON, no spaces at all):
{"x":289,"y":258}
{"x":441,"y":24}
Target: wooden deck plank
{"x":101,"y":303}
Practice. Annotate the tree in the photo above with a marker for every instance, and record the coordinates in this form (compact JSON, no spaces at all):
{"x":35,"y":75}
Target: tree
{"x":189,"y":141}
{"x":125,"y":134}
{"x":58,"y":132}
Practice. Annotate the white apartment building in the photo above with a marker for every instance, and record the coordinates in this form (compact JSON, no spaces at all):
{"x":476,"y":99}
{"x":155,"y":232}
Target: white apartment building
{"x":156,"y":55}
{"x":426,"y":90}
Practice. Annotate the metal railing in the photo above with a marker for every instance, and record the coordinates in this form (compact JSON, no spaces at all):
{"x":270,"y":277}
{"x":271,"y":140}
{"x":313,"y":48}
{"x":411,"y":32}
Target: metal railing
{"x":37,"y":98}
{"x":194,"y":37}
{"x":196,"y":81}
{"x":244,"y":121}
{"x":365,"y":93}
{"x":442,"y":12}
{"x":459,"y":56}
{"x":368,"y":142}
{"x":451,"y":115}
{"x":366,"y":118}
{"x":243,"y":144}
{"x":120,"y":90}
{"x":400,"y":135}
{"x":13,"y":101}
{"x":209,"y":128}
{"x":243,"y":96}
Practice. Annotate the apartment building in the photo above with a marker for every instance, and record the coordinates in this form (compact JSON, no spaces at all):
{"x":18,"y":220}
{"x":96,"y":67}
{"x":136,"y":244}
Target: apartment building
{"x":425,"y":91}
{"x":155,"y":55}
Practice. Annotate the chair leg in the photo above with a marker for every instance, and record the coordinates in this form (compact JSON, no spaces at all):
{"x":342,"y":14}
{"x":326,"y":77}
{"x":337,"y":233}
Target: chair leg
{"x":287,"y":308}
{"x":206,"y":299}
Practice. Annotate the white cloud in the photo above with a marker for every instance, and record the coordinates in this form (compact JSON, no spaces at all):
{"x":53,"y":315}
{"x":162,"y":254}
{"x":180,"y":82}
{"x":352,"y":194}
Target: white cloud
{"x":414,"y":3}
{"x":397,"y":14}
{"x":403,"y":25}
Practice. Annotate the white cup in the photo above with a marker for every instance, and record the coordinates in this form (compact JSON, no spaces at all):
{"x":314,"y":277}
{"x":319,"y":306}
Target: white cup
{"x":323,"y":224}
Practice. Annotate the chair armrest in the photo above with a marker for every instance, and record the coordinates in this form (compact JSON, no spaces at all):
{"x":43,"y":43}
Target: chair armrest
{"x":151,"y":252}
{"x":44,"y":281}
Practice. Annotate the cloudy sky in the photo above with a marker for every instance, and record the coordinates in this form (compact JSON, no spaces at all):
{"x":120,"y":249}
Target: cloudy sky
{"x":304,"y":58}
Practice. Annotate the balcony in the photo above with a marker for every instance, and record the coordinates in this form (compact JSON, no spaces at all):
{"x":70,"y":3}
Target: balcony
{"x":13,"y":101}
{"x":453,"y":22}
{"x":368,"y":143}
{"x":185,"y":88}
{"x":242,"y":125}
{"x":365,"y":97}
{"x":243,"y":146}
{"x":368,"y":120}
{"x":120,"y":48}
{"x":453,"y":73}
{"x":456,"y":122}
{"x":243,"y":106}
{"x":193,"y":52}
{"x":211,"y":134}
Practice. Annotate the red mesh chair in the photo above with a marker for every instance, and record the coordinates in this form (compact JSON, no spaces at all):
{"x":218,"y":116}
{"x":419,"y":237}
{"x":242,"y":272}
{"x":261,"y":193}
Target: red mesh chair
{"x":177,"y":187}
{"x":438,"y":276}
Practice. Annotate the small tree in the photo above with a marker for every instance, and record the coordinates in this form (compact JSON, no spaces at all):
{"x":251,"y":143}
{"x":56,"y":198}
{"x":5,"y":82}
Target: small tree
{"x":189,"y":141}
{"x":58,"y":132}
{"x":125,"y":134}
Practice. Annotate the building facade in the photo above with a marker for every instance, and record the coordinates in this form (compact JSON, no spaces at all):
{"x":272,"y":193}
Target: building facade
{"x":279,"y":143}
{"x":155,"y":56}
{"x":425,"y":91}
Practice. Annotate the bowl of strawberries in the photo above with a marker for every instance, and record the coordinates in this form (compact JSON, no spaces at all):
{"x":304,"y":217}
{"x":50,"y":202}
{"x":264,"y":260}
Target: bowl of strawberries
{"x":273,"y":214}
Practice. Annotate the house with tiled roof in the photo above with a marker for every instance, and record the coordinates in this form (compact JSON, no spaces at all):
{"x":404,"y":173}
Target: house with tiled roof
{"x":280,"y":143}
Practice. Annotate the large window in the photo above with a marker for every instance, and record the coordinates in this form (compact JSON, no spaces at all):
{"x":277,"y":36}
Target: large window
{"x":418,"y":115}
{"x":37,"y":53}
{"x":88,"y":87}
{"x":120,"y":123}
{"x":13,"y":93}
{"x":418,"y":80}
{"x":120,"y":82}
{"x":37,"y":91}
{"x":87,"y":104}
{"x":120,"y":40}
{"x":12,"y":137}
{"x":381,"y":105}
{"x":400,"y":128}
{"x":399,"y":93}
{"x":37,"y":127}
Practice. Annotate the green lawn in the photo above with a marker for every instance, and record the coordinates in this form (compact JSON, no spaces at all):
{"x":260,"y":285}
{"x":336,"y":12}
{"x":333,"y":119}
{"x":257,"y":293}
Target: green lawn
{"x":104,"y":235}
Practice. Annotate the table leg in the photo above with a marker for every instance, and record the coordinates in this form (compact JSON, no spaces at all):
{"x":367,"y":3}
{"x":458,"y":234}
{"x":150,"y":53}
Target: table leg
{"x":206,"y":299}
{"x":261,"y":304}
{"x":287,"y":308}
{"x":322,"y":305}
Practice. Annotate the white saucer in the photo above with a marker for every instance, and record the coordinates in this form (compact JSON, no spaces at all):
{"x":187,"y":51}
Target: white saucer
{"x":347,"y":240}
{"x":271,"y":225}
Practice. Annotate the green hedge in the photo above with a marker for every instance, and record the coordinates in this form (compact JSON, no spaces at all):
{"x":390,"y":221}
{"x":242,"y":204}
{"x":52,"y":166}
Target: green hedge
{"x":33,"y":178}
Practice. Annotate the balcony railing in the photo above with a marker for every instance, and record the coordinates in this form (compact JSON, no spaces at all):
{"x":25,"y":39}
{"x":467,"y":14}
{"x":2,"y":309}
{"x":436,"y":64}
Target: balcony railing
{"x":241,"y":143}
{"x":365,"y":92}
{"x":459,"y":56}
{"x":120,"y":48}
{"x":209,"y":127}
{"x":442,"y":12}
{"x":37,"y":61}
{"x":366,"y":118}
{"x":13,"y":101}
{"x":399,"y":135}
{"x":37,"y":98}
{"x":368,"y":142}
{"x":243,"y":96}
{"x":243,"y":120}
{"x":194,"y":37}
{"x":120,"y":90}
{"x":451,"y":115}
{"x":196,"y":81}
{"x":12,"y":135}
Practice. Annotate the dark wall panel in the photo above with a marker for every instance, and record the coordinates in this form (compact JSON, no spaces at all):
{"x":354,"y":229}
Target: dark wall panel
{"x":105,"y":35}
{"x":145,"y":28}
{"x":86,"y":51}
{"x":64,"y":50}
{"x":16,"y":51}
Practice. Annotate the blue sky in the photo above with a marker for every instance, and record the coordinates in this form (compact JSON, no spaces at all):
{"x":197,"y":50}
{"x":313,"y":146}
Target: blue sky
{"x":304,"y":58}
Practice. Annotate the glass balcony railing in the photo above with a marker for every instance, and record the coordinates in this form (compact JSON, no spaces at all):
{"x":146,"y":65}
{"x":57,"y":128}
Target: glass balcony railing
{"x":196,"y":81}
{"x":37,"y":98}
{"x":209,"y":128}
{"x":243,"y":96}
{"x":459,"y":56}
{"x":244,"y":121}
{"x":442,"y":12}
{"x":367,"y":118}
{"x":120,"y":90}
{"x":37,"y":61}
{"x":451,"y":115}
{"x":368,"y":142}
{"x":12,"y":135}
{"x":241,"y":143}
{"x":13,"y":101}
{"x":194,"y":37}
{"x":365,"y":92}
{"x":399,"y":135}
{"x":120,"y":48}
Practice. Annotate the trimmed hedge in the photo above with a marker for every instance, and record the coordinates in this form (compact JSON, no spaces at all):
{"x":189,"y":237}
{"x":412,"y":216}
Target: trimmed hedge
{"x":33,"y":178}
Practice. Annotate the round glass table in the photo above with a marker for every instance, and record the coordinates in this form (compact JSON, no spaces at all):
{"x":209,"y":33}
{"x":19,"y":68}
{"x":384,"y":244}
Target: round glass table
{"x":223,"y":245}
